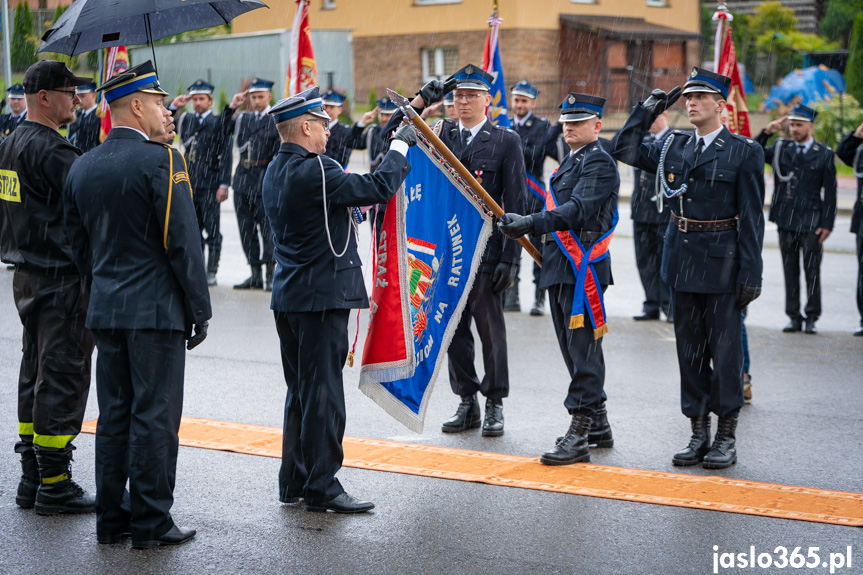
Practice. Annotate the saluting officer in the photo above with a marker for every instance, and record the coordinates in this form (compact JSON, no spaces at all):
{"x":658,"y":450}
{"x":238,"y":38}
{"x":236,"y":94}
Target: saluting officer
{"x":131,"y":220}
{"x":649,"y":215}
{"x":309,"y":199}
{"x":17,"y":110}
{"x":449,"y":107}
{"x":257,"y":141}
{"x":206,"y":150}
{"x":803,"y":171}
{"x":343,"y":138}
{"x":50,"y":294}
{"x":712,"y":258}
{"x":534,"y":133}
{"x":84,"y":132}
{"x":576,"y":226}
{"x":849,"y":151}
{"x":494,"y":155}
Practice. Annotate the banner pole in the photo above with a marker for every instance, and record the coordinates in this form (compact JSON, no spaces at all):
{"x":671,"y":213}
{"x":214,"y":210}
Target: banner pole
{"x":426,"y":131}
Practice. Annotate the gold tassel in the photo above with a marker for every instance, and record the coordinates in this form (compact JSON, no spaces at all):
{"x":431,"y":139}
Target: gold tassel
{"x":350,"y":359}
{"x":600,"y":331}
{"x":576,"y":321}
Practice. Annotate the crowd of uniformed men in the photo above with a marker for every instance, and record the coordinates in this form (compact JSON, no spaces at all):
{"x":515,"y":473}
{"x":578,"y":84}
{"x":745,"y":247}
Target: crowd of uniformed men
{"x":697,"y":207}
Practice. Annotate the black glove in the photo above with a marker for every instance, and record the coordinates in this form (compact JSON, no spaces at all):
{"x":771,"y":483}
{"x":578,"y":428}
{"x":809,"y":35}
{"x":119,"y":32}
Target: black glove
{"x":659,"y":101}
{"x":514,"y":226}
{"x":434,"y":91}
{"x":200,"y":335}
{"x":747,"y":294}
{"x":502,"y":276}
{"x":406,"y":134}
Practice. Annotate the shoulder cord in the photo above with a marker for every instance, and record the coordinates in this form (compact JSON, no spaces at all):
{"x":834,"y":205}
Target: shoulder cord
{"x":857,"y":161}
{"x":777,"y":154}
{"x":326,"y":218}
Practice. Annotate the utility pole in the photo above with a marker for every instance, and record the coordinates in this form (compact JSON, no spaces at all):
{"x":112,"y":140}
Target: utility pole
{"x":6,"y":26}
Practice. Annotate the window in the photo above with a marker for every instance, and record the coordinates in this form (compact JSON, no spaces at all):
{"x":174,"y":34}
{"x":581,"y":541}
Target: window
{"x":439,"y":62}
{"x":430,"y":2}
{"x":584,"y":1}
{"x":657,"y":3}
{"x":329,"y":4}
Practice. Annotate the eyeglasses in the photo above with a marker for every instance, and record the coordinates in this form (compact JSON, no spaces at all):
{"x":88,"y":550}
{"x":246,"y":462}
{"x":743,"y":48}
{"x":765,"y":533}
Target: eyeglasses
{"x":465,"y":97}
{"x":70,"y":93}
{"x":324,"y":123}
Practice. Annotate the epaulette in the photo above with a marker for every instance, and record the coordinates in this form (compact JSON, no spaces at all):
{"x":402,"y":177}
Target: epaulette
{"x":747,"y":139}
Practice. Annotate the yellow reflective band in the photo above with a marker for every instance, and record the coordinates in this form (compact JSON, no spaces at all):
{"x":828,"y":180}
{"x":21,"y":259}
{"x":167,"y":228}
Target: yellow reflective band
{"x":50,"y":480}
{"x":56,"y":441}
{"x":25,"y":428}
{"x":10,"y":188}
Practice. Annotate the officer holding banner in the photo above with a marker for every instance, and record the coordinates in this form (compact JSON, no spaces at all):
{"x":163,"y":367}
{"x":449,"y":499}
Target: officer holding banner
{"x":714,"y":181}
{"x":580,"y":215}
{"x":494,"y":155}
{"x":308,"y":198}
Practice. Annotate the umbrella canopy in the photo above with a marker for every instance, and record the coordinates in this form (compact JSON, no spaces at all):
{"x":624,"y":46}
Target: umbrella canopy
{"x":93,"y":24}
{"x":806,"y":86}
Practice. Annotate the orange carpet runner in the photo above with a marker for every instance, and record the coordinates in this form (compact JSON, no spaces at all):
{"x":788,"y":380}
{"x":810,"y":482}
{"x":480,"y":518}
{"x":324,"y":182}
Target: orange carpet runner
{"x":661,"y":488}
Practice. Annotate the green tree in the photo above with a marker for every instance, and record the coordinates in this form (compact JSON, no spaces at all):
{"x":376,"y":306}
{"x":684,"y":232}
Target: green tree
{"x":854,"y":68}
{"x":836,"y":117}
{"x":23,"y":46}
{"x":839,"y":19}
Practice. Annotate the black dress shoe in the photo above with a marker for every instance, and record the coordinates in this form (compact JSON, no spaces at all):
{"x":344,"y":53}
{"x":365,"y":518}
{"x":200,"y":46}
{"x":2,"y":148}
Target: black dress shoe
{"x":116,"y":537}
{"x":175,"y":536}
{"x":796,"y":324}
{"x":342,"y":503}
{"x":646,"y":316}
{"x":859,"y":332}
{"x":492,"y":425}
{"x":467,"y":416}
{"x":810,"y":326}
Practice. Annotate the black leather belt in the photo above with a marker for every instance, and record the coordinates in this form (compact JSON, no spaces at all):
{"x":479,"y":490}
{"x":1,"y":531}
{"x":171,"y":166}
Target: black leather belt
{"x":686,"y":225}
{"x":586,"y":238}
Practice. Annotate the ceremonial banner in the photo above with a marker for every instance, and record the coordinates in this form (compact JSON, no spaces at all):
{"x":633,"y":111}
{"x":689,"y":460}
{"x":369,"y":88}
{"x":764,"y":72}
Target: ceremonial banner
{"x":116,"y":61}
{"x":431,"y":243}
{"x":497,"y":110}
{"x":725,"y":63}
{"x":302,"y":72}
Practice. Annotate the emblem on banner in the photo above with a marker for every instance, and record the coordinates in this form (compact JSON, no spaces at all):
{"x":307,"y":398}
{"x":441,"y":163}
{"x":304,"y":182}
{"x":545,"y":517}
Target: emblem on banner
{"x":423,"y":267}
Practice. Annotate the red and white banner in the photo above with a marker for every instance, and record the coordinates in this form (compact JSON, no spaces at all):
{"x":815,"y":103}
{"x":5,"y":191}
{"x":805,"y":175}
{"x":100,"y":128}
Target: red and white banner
{"x":726,"y":64}
{"x":302,"y":73}
{"x":116,"y":61}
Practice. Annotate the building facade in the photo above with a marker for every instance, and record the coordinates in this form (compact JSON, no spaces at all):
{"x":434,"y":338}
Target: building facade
{"x":620,"y":49}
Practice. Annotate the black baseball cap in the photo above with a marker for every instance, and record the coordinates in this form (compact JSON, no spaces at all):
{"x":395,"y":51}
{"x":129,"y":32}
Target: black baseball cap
{"x":50,"y":75}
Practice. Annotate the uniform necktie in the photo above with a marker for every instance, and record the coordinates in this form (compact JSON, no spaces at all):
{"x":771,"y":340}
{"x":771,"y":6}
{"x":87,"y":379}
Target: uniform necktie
{"x":200,"y":118}
{"x":465,"y":136}
{"x":800,"y":148}
{"x":699,"y":147}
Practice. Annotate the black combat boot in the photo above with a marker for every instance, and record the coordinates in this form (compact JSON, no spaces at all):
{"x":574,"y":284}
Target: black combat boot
{"x":268,"y":282}
{"x":29,"y":483}
{"x":492,"y":425}
{"x":600,"y":429}
{"x":212,"y":267}
{"x":538,"y":302}
{"x":699,"y":444}
{"x":57,"y":492}
{"x":255,"y":281}
{"x":572,"y":447}
{"x":722,"y":453}
{"x":467,"y":416}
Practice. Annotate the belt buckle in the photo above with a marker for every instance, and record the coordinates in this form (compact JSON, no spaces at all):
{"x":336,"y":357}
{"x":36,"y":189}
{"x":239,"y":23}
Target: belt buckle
{"x":682,"y":225}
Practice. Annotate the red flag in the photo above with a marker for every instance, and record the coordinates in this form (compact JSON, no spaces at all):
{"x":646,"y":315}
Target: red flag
{"x":116,"y":61}
{"x":738,"y":113}
{"x":302,"y":73}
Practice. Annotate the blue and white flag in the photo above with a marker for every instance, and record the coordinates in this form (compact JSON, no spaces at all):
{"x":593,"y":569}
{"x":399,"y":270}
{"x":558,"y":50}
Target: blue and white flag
{"x":431,"y":243}
{"x":497,"y":110}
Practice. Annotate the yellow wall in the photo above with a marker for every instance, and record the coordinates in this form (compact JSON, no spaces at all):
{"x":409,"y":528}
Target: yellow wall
{"x":390,"y":17}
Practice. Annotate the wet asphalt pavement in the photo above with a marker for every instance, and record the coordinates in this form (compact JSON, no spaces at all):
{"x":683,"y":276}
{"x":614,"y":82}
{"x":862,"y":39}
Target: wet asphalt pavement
{"x":803,"y":428}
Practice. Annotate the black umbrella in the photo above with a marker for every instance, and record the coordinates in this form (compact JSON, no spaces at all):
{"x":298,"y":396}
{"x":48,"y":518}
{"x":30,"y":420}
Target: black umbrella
{"x":93,"y":24}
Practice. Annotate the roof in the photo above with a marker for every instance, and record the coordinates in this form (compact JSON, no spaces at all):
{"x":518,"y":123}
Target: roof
{"x":618,"y":28}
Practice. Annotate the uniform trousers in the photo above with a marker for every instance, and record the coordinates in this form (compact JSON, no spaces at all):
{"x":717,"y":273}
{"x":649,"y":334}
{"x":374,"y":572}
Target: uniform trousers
{"x":860,"y":275}
{"x":209,"y":219}
{"x":252,"y":221}
{"x":582,"y":354}
{"x":709,"y":353}
{"x":649,"y":241}
{"x":139,"y":382}
{"x":54,"y":379}
{"x":791,"y":244}
{"x":485,"y":308}
{"x":314,"y":348}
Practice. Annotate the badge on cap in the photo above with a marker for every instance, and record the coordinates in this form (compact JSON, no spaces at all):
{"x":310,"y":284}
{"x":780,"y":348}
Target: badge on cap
{"x":694,"y":73}
{"x":571,"y":99}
